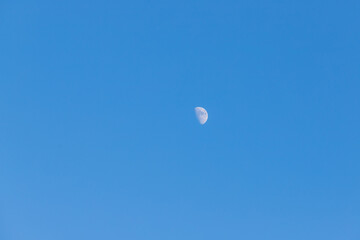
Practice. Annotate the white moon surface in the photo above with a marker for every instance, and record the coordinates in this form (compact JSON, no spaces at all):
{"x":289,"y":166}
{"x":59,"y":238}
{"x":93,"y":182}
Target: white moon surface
{"x":201,"y":115}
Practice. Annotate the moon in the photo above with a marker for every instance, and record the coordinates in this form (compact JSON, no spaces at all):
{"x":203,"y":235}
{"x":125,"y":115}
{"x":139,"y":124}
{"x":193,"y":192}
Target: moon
{"x":201,"y":115}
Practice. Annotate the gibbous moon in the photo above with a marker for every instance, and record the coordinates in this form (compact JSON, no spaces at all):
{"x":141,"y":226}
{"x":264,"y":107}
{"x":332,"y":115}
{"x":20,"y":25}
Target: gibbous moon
{"x":201,"y":115}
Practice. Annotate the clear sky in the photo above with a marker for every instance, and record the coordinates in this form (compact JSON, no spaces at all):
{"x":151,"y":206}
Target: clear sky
{"x":99,"y":140}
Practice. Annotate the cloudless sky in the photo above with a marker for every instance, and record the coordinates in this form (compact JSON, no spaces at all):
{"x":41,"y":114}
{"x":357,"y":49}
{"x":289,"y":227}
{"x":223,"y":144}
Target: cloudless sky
{"x":99,"y":140}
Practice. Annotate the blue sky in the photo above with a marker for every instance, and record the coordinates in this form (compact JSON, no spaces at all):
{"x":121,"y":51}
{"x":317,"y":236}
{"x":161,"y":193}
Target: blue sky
{"x":98,"y":137}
